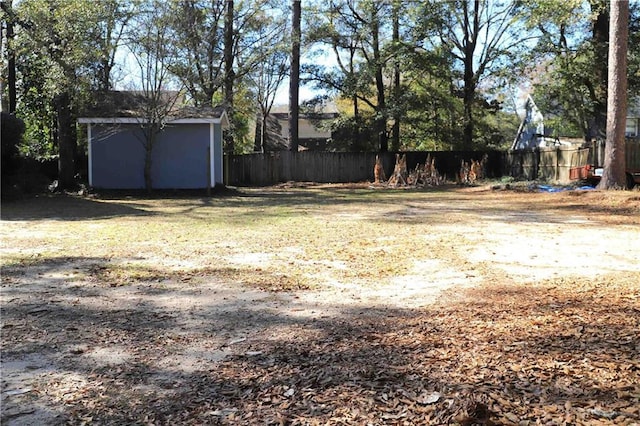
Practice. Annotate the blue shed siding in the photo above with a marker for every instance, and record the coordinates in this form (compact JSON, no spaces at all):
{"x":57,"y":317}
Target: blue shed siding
{"x":117,"y":157}
{"x":179,"y":159}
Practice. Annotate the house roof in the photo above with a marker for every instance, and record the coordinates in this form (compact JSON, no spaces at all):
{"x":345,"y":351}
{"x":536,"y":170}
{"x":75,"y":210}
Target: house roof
{"x":130,"y":107}
{"x":306,"y":116}
{"x":318,"y":112}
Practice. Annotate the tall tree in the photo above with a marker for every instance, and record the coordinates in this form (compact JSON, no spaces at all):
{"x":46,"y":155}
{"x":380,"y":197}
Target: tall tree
{"x":199,"y":32}
{"x":114,"y":15}
{"x":66,"y":50}
{"x":216,"y":43}
{"x":258,"y":23}
{"x":571,"y":61}
{"x":229,"y":73}
{"x":343,"y":38}
{"x":614,"y":158}
{"x":395,"y":130}
{"x":294,"y":77}
{"x":481,"y":35}
{"x":67,"y":35}
{"x":357,"y":32}
{"x":154,"y":103}
{"x":381,"y":113}
{"x":598,"y":86}
{"x":432,"y":103}
{"x":267,"y":78}
{"x":8,"y":48}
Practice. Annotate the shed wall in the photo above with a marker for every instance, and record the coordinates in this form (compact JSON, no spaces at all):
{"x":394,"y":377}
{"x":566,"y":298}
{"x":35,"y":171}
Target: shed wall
{"x":117,"y":157}
{"x":179,"y":159}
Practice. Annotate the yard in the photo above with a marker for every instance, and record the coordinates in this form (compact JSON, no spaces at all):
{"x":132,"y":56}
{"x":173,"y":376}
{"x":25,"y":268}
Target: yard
{"x":322,"y":304}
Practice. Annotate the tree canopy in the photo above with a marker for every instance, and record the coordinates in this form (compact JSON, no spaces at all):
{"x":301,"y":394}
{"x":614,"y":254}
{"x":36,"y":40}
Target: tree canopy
{"x":421,"y":74}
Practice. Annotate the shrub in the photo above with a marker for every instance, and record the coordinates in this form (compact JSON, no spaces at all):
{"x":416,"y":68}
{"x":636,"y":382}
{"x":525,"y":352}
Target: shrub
{"x":12,"y":131}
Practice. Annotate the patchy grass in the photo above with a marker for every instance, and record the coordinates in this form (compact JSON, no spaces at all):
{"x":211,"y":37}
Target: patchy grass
{"x":356,"y":234}
{"x":310,"y":306}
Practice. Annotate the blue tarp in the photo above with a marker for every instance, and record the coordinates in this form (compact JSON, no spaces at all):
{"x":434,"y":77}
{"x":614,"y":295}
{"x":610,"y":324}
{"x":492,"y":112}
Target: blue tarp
{"x":552,"y":188}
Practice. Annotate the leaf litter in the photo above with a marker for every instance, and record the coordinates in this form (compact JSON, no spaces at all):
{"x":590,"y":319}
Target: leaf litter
{"x":559,"y":350}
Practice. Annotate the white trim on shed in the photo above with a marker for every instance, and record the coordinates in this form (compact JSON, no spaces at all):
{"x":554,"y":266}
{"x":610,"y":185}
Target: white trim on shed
{"x":212,"y":175}
{"x":223,"y":120}
{"x":89,"y":145}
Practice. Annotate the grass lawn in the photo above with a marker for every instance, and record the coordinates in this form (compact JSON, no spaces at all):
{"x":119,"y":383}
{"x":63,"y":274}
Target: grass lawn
{"x":322,"y":304}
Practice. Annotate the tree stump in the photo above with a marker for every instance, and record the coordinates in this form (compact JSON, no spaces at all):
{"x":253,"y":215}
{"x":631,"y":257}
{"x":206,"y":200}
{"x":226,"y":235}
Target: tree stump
{"x":378,"y":171}
{"x":400,"y":173}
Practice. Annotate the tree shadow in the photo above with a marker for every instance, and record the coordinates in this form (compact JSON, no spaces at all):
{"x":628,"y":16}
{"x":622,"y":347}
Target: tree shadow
{"x":551,"y":352}
{"x":68,"y":208}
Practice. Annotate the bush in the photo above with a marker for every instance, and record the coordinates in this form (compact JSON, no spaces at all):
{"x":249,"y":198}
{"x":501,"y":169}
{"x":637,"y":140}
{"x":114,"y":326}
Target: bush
{"x":21,"y":176}
{"x":11,"y":134}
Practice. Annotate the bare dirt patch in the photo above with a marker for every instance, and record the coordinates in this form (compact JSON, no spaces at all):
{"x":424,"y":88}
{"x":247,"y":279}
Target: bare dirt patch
{"x":327,"y":304}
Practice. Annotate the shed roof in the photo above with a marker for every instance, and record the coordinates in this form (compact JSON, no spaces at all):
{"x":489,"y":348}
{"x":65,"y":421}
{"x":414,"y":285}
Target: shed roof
{"x":130,"y":106}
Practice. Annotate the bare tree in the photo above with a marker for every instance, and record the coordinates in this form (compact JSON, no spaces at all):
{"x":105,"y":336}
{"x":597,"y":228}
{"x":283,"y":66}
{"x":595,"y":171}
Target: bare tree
{"x":229,"y":73}
{"x":114,"y":16}
{"x":614,"y":156}
{"x":155,"y":104}
{"x":268,"y":75}
{"x":356,"y":31}
{"x":480,"y":35}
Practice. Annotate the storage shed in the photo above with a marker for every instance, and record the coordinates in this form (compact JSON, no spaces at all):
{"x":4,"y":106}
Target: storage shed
{"x":187,"y":153}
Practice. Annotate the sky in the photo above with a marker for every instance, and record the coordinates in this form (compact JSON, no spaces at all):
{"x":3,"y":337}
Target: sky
{"x":282,"y":96}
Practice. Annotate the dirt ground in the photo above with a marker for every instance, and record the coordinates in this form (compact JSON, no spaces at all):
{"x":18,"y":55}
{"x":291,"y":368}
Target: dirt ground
{"x":320,"y":304}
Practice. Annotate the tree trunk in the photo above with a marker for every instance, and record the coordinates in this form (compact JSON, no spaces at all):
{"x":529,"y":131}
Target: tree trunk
{"x":263,"y":132}
{"x":395,"y":131}
{"x":150,"y":135}
{"x":148,"y":183}
{"x":598,"y":87}
{"x":468,"y":96}
{"x":294,"y":79}
{"x":381,"y":113}
{"x":66,"y":141}
{"x":614,"y":154}
{"x":229,"y":76}
{"x":11,"y":56}
{"x":357,"y":137}
{"x":357,"y":142}
{"x":471,"y":33}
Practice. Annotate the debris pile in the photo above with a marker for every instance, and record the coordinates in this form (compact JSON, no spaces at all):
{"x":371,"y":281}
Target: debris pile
{"x":400,"y":173}
{"x":426,"y":174}
{"x":423,"y":175}
{"x":378,"y":171}
{"x":472,"y":171}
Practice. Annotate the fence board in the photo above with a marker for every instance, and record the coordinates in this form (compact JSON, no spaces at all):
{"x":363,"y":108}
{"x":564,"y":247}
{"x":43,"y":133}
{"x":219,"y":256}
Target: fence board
{"x":339,"y":167}
{"x":553,"y":164}
{"x":632,"y":148}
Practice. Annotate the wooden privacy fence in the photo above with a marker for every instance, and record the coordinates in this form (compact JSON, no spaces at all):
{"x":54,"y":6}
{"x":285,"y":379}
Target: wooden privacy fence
{"x":339,"y":167}
{"x":633,"y":154}
{"x":555,"y":164}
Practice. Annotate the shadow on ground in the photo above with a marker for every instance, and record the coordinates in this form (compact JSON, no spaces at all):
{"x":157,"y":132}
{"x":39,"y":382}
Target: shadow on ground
{"x":559,"y":351}
{"x":67,"y":208}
